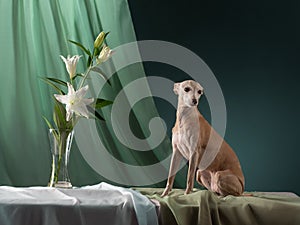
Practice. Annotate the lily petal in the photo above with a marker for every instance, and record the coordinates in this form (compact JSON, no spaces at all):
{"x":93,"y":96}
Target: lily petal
{"x":81,"y":110}
{"x":69,"y":113}
{"x":62,"y":98}
{"x":71,"y":90}
{"x":71,"y":63}
{"x":82,"y":91}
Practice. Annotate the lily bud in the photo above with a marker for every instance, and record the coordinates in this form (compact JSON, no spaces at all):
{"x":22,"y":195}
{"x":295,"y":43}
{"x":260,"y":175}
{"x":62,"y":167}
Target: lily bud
{"x":104,"y":55}
{"x":99,"y":40}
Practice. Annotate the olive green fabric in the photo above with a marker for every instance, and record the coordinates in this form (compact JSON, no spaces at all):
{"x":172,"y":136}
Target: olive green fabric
{"x":203,"y":207}
{"x":33,"y":33}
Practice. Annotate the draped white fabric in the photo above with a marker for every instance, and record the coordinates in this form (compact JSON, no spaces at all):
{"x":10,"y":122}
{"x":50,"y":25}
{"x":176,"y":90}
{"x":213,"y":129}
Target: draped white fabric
{"x":89,"y":205}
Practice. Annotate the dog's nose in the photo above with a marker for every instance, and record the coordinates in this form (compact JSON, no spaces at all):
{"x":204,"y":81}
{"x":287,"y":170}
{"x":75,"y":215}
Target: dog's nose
{"x":194,"y":101}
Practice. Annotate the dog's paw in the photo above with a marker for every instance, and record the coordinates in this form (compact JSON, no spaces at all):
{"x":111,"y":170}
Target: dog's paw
{"x":166,"y":192}
{"x":187,"y":191}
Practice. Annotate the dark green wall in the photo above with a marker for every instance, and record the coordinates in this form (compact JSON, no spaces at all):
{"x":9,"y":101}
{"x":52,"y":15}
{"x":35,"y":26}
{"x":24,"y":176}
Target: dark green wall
{"x":253,"y":49}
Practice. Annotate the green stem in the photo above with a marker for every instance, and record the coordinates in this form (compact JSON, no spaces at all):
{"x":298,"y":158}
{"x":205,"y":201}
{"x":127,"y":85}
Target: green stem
{"x":85,"y":76}
{"x":57,"y":170}
{"x":62,"y":138}
{"x":71,"y":82}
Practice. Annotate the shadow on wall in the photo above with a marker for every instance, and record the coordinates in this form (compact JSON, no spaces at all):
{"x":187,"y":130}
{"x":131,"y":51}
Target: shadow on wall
{"x":252,"y":49}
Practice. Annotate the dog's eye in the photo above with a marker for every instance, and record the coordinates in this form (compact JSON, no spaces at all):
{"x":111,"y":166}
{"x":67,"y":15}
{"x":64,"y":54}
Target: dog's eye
{"x":187,"y":89}
{"x":200,"y":92}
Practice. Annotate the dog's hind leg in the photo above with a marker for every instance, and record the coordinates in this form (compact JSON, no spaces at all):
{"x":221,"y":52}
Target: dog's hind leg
{"x":226,"y":183}
{"x":204,"y":179}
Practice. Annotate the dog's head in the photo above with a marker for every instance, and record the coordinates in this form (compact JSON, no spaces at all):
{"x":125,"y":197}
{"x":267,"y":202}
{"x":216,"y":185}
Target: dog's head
{"x":189,"y":92}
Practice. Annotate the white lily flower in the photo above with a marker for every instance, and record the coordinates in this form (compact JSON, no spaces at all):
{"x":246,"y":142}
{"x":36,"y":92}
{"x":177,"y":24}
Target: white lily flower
{"x":71,"y":63}
{"x":104,"y":55}
{"x":75,"y":101}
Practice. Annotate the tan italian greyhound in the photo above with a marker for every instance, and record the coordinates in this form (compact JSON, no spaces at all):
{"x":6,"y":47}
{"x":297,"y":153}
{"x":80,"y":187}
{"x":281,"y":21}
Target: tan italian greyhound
{"x":190,"y":137}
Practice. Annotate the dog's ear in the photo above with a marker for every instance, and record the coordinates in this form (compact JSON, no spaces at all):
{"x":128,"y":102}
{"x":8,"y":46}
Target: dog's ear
{"x":176,"y":88}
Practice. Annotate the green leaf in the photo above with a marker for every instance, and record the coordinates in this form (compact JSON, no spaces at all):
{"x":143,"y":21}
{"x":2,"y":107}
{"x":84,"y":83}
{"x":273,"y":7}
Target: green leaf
{"x":98,"y":116}
{"x":77,"y":75}
{"x":59,"y":115}
{"x":82,"y":47}
{"x":105,"y":37}
{"x":102,"y":103}
{"x":101,"y":73}
{"x":96,"y":51}
{"x":106,"y":34}
{"x":48,"y":123}
{"x":89,"y":62}
{"x":93,"y":111}
{"x":58,"y":81}
{"x":56,"y":135}
{"x":46,"y":80}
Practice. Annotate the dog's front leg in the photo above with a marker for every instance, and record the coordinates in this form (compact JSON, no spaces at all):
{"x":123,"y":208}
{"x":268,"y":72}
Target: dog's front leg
{"x":193,"y":164}
{"x":175,"y":162}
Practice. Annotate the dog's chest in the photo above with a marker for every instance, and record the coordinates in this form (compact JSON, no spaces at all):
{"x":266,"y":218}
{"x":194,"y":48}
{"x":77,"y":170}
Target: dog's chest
{"x":186,"y":136}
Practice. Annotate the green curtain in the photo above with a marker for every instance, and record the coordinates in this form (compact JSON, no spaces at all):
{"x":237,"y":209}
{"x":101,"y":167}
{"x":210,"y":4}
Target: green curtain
{"x":33,"y":33}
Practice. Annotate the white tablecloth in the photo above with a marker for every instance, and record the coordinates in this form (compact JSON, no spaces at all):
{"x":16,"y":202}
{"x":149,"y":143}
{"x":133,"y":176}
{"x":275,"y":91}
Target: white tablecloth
{"x":89,"y":205}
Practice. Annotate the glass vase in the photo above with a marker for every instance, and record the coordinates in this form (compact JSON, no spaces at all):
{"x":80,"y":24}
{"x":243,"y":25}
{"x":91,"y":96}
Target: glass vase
{"x":60,"y":144}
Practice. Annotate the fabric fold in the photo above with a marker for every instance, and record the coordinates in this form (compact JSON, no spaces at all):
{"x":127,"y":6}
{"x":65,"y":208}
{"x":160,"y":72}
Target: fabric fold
{"x":203,"y":207}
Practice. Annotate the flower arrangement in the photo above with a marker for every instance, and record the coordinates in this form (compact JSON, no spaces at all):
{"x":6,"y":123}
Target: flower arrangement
{"x":71,"y":106}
